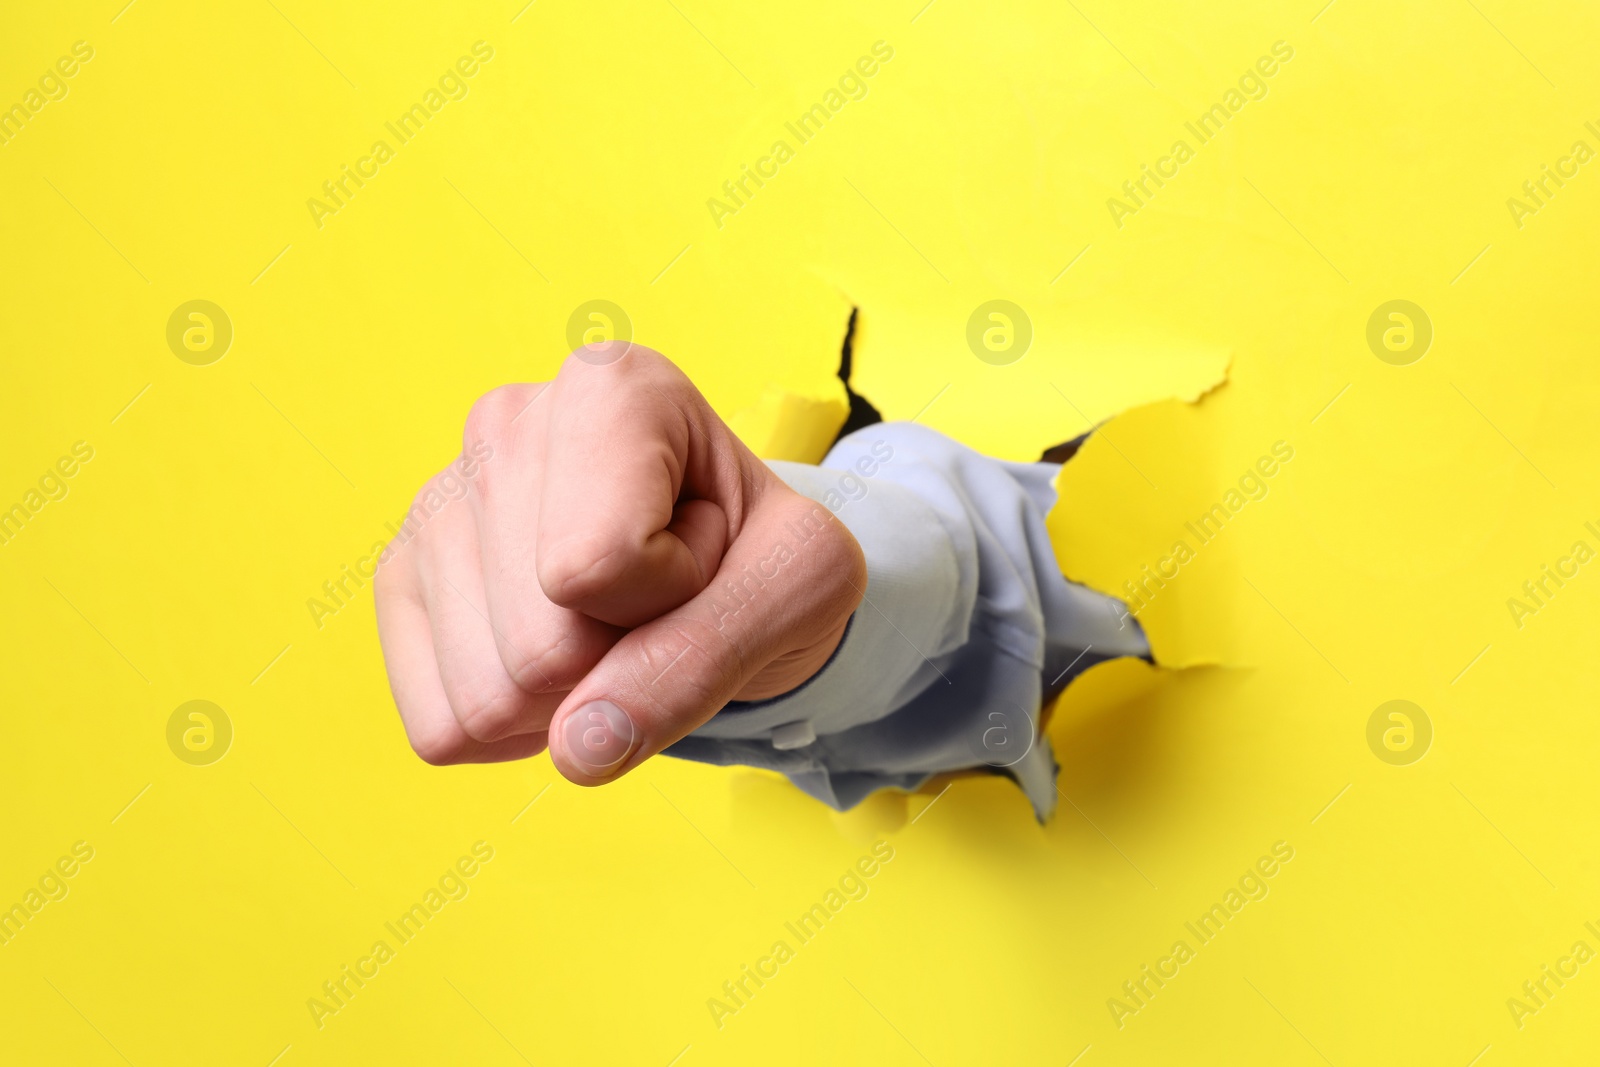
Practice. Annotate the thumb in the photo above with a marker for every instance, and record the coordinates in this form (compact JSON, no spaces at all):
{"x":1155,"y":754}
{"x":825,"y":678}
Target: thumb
{"x":783,"y":591}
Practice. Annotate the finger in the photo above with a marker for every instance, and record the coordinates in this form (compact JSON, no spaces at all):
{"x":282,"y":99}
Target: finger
{"x":543,"y":647}
{"x":486,"y":701}
{"x":615,"y":541}
{"x":430,"y":725}
{"x":789,"y":582}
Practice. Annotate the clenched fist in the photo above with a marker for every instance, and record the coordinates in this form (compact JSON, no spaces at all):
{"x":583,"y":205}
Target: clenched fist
{"x":620,"y":567}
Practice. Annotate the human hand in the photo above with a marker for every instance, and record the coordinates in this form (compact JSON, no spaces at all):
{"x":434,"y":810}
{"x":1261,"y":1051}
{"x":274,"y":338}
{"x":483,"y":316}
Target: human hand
{"x":620,"y":567}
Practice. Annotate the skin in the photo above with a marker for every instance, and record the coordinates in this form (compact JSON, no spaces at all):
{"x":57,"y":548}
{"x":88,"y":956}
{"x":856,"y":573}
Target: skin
{"x":590,"y":560}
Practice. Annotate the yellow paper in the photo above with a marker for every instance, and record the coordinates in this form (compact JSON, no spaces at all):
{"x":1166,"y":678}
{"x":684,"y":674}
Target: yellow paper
{"x":1223,"y":312}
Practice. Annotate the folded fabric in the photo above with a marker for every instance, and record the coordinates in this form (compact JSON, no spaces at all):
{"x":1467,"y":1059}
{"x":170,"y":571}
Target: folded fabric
{"x":966,"y":624}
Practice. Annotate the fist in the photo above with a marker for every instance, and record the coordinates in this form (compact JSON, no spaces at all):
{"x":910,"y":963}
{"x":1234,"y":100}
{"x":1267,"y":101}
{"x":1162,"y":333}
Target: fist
{"x":610,"y":567}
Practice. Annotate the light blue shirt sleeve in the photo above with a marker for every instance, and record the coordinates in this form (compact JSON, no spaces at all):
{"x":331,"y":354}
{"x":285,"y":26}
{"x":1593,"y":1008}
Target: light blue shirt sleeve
{"x":966,"y":625}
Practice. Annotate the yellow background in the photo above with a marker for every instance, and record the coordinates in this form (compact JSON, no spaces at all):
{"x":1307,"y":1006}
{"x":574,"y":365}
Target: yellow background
{"x":977,"y":167}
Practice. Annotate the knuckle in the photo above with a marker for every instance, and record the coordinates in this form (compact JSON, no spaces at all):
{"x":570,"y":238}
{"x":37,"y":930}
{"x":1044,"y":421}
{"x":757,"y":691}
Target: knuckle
{"x":486,"y":710}
{"x":385,"y":589}
{"x":690,"y":657}
{"x":490,"y":420}
{"x":438,"y":748}
{"x":384,"y":585}
{"x":581,"y":361}
{"x":487,"y":419}
{"x":538,"y":664}
{"x":435,"y":495}
{"x":574,"y":572}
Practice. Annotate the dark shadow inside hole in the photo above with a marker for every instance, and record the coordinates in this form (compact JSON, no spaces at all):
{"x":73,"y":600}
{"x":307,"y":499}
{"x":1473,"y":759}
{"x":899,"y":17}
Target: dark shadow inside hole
{"x":862,"y":413}
{"x":1066,"y":450}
